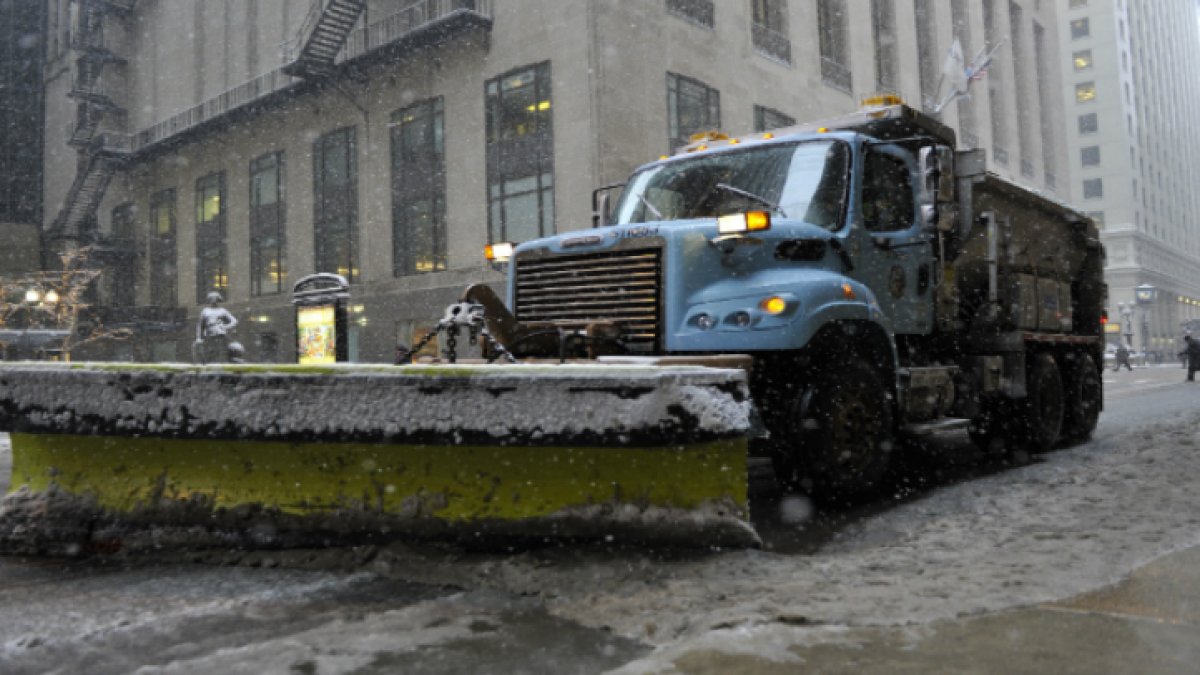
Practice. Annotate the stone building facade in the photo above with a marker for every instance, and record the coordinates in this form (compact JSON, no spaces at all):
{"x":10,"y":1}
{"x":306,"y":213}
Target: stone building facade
{"x":239,"y":146}
{"x":1132,"y":80}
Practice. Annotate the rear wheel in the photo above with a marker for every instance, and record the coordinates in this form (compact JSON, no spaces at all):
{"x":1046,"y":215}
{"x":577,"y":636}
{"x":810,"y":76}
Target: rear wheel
{"x":838,"y":434}
{"x":1084,"y":394}
{"x":1039,"y":419}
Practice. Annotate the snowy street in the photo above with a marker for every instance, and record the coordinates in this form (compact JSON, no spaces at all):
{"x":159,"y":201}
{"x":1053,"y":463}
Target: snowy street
{"x":973,"y":536}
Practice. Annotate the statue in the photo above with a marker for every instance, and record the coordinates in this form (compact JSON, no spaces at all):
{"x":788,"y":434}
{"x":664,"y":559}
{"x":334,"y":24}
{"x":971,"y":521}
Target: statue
{"x":214,"y":334}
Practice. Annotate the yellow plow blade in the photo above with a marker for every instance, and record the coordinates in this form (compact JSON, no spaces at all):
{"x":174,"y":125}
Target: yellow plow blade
{"x":653,"y":454}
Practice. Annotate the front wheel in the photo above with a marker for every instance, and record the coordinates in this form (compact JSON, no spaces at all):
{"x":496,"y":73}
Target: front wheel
{"x":838,"y":433}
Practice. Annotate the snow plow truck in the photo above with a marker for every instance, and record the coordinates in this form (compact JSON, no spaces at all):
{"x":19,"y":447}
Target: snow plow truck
{"x":811,"y":294}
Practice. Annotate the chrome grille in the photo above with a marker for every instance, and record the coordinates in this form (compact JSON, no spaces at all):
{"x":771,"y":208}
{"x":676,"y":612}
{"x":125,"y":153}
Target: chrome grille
{"x":575,"y":290}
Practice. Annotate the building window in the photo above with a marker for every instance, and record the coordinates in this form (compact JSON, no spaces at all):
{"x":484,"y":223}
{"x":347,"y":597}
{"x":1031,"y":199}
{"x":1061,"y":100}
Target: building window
{"x":961,"y":19}
{"x":1085,"y":92}
{"x":212,"y":272}
{"x":123,"y":268}
{"x":697,"y":11}
{"x":520,"y":155}
{"x":1089,"y":123}
{"x":268,"y":231}
{"x":1082,"y":60}
{"x":1090,"y":156}
{"x":1045,"y":65}
{"x":766,"y":119}
{"x":883,"y":28}
{"x":833,"y":38}
{"x":928,"y":69}
{"x":1093,"y":188}
{"x":418,"y":189}
{"x":769,"y":29}
{"x":998,"y":97}
{"x":1076,"y":4}
{"x":335,"y":203}
{"x":692,"y":106}
{"x":1080,"y":28}
{"x":164,"y":272}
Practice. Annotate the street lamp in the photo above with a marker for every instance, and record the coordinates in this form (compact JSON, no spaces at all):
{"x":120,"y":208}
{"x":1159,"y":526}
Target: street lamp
{"x":32,"y":296}
{"x":51,"y":297}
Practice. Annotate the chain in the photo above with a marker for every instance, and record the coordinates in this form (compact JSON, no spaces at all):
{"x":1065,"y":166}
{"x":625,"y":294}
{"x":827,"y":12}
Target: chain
{"x":459,"y":315}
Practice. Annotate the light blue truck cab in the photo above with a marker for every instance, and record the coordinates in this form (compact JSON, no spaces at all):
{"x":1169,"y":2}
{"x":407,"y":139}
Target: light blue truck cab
{"x":845,"y":258}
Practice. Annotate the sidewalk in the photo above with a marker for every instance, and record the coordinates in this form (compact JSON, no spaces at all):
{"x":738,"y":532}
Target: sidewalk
{"x":1147,"y":624}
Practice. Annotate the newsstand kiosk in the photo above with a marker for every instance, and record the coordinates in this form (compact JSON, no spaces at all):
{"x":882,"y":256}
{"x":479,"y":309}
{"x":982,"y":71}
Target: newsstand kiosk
{"x":321,"y":318}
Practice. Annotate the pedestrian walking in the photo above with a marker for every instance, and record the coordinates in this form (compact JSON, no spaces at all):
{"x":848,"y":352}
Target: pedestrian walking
{"x":1193,"y":356}
{"x":1123,"y":358}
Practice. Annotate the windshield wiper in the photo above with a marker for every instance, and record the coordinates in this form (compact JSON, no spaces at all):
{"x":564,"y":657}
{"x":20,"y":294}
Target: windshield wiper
{"x":751,"y":196}
{"x":657,"y":214}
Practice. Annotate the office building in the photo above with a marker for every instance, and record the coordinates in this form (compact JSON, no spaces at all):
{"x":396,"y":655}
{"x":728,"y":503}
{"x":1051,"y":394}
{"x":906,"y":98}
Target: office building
{"x":239,"y":147}
{"x":22,"y":130}
{"x":1132,"y":82}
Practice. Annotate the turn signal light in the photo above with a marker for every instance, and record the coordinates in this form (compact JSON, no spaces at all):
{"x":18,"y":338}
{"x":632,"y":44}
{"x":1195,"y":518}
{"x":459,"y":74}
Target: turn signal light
{"x":499,"y":252}
{"x":773,"y":305}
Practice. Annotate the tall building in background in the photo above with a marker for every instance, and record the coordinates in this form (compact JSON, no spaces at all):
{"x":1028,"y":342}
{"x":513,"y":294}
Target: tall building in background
{"x":22,"y":130}
{"x":239,"y":147}
{"x":1132,"y":89}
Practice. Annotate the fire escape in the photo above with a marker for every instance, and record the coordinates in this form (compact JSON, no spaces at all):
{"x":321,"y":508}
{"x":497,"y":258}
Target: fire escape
{"x":322,"y":36}
{"x":101,"y":153}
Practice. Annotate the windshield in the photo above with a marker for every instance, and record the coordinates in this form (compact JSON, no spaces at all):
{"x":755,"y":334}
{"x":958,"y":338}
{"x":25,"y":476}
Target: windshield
{"x":802,"y":180}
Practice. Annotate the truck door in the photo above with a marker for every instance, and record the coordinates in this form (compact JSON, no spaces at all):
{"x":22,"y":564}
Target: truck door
{"x":893,"y":255}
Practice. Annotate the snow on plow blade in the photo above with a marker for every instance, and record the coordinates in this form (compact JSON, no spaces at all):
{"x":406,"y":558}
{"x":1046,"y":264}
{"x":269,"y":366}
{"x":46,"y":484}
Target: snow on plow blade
{"x":289,"y":455}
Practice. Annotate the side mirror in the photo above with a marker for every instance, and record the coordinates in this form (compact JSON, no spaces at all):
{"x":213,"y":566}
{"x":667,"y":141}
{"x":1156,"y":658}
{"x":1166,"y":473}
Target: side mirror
{"x":936,"y":164}
{"x":604,"y":211}
{"x":601,"y":204}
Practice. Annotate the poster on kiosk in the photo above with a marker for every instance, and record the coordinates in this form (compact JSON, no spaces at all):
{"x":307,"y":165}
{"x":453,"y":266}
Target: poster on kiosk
{"x":321,"y":336}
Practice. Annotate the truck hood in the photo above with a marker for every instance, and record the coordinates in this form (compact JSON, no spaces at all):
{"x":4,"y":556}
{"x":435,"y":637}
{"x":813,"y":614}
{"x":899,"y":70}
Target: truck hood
{"x":602,"y":238}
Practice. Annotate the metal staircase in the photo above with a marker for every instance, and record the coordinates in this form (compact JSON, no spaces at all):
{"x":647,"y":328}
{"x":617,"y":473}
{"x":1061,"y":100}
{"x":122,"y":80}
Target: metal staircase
{"x":97,"y":164}
{"x":100,"y":153}
{"x":322,"y":36}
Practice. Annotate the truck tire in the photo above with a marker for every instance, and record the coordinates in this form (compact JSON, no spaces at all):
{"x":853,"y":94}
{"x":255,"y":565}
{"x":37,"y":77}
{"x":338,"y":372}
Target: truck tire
{"x":839,"y":437}
{"x":1083,"y":398}
{"x":1039,"y":419}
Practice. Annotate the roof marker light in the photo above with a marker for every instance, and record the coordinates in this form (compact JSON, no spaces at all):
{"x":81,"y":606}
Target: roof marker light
{"x":739,"y":223}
